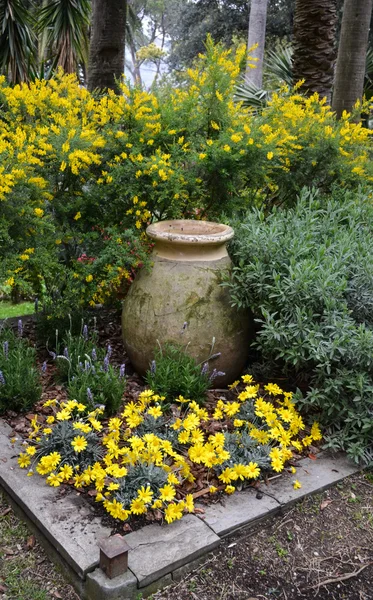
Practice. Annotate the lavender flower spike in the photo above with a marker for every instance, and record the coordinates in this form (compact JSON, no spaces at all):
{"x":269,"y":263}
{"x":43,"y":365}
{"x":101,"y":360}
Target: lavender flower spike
{"x":94,"y":354}
{"x":20,"y":328}
{"x":153,"y":367}
{"x":89,"y":396}
{"x":85,"y":333}
{"x":2,"y":378}
{"x":205,"y":368}
{"x":122,"y":370}
{"x":44,"y":367}
{"x":106,"y":363}
{"x":109,"y":351}
{"x":6,"y":349}
{"x":216,"y":374}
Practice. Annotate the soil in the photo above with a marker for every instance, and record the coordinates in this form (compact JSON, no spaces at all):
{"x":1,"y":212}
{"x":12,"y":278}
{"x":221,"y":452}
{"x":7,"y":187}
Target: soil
{"x":321,"y":548}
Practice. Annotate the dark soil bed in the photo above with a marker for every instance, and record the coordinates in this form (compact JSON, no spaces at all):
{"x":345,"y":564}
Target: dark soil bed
{"x":321,"y":548}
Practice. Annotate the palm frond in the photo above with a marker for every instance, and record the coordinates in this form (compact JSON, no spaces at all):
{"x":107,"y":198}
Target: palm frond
{"x":278,"y":64}
{"x":17,"y":41}
{"x":65,"y":26}
{"x":251,"y":96}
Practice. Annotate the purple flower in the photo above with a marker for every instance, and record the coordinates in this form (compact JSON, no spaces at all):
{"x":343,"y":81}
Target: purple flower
{"x":94,"y":354}
{"x":6,"y":348}
{"x":122,"y":370}
{"x":215,"y":356}
{"x":44,"y":367}
{"x":80,"y":365}
{"x":87,"y":366}
{"x":2,"y":378}
{"x":85,"y":332}
{"x":89,"y":396}
{"x":66,"y":352}
{"x":216,"y":374}
{"x":106,"y":363}
{"x":20,"y":328}
{"x":109,"y":351}
{"x":205,"y":368}
{"x":153,"y":367}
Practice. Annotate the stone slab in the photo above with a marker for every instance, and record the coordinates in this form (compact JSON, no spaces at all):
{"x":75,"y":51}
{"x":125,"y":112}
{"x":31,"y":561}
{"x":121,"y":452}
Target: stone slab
{"x":238,"y":510}
{"x":156,"y":551}
{"x":100,"y":587}
{"x":68,"y":522}
{"x":314,"y":475}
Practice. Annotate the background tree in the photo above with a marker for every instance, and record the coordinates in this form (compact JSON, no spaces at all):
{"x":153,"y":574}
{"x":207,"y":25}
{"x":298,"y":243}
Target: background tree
{"x":256,"y":37}
{"x":106,"y":53}
{"x":146,"y":33}
{"x":351,"y":62}
{"x":314,"y":45}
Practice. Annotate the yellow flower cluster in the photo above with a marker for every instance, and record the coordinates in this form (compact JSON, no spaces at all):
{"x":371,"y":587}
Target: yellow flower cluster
{"x":128,"y":443}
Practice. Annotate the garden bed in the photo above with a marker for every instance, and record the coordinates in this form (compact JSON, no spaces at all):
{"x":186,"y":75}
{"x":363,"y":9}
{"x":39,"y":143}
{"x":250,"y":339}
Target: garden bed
{"x":191,"y":469}
{"x":69,"y":526}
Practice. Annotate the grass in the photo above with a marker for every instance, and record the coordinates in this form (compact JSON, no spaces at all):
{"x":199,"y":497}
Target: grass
{"x":8,"y":310}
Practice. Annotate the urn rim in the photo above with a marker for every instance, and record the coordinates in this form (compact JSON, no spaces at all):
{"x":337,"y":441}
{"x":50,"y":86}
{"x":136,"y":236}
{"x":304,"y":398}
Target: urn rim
{"x":190,"y":231}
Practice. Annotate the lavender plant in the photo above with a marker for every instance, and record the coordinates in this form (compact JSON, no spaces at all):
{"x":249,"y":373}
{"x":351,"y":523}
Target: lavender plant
{"x":75,"y":349}
{"x":98,"y":383}
{"x":173,"y":373}
{"x":19,"y":376}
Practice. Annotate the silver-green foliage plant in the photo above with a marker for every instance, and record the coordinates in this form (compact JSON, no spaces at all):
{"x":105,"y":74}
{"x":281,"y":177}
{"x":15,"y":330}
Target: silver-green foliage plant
{"x":307,"y":275}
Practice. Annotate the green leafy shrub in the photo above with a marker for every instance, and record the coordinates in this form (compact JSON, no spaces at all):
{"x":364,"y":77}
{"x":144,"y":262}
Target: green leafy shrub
{"x":19,"y":376}
{"x":307,"y":275}
{"x":173,"y":373}
{"x":59,"y":310}
{"x":96,"y":383}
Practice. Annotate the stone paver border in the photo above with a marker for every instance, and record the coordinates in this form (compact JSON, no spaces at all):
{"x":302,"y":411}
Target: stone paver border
{"x":67,"y":525}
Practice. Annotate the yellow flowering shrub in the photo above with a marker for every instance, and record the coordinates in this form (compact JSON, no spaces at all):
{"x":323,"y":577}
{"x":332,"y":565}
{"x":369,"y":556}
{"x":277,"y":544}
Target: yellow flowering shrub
{"x":147,"y":457}
{"x":74,"y":165}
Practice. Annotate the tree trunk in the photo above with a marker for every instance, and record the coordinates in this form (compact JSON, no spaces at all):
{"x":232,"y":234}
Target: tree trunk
{"x":349,"y":78}
{"x":256,"y":35}
{"x":106,"y":53}
{"x":314,"y":45}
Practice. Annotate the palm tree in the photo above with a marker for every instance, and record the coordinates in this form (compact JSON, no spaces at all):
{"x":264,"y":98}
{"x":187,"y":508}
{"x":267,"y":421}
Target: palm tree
{"x":17,"y":41}
{"x":63,"y":30}
{"x":352,"y":54}
{"x":314,"y":45}
{"x":106,"y":54}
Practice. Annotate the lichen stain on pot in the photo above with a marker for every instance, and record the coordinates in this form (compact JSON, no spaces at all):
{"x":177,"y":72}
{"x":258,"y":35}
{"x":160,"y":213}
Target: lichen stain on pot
{"x":190,"y":261}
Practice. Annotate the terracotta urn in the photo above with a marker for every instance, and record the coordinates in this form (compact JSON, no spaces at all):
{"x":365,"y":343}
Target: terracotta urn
{"x":180,"y":300}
